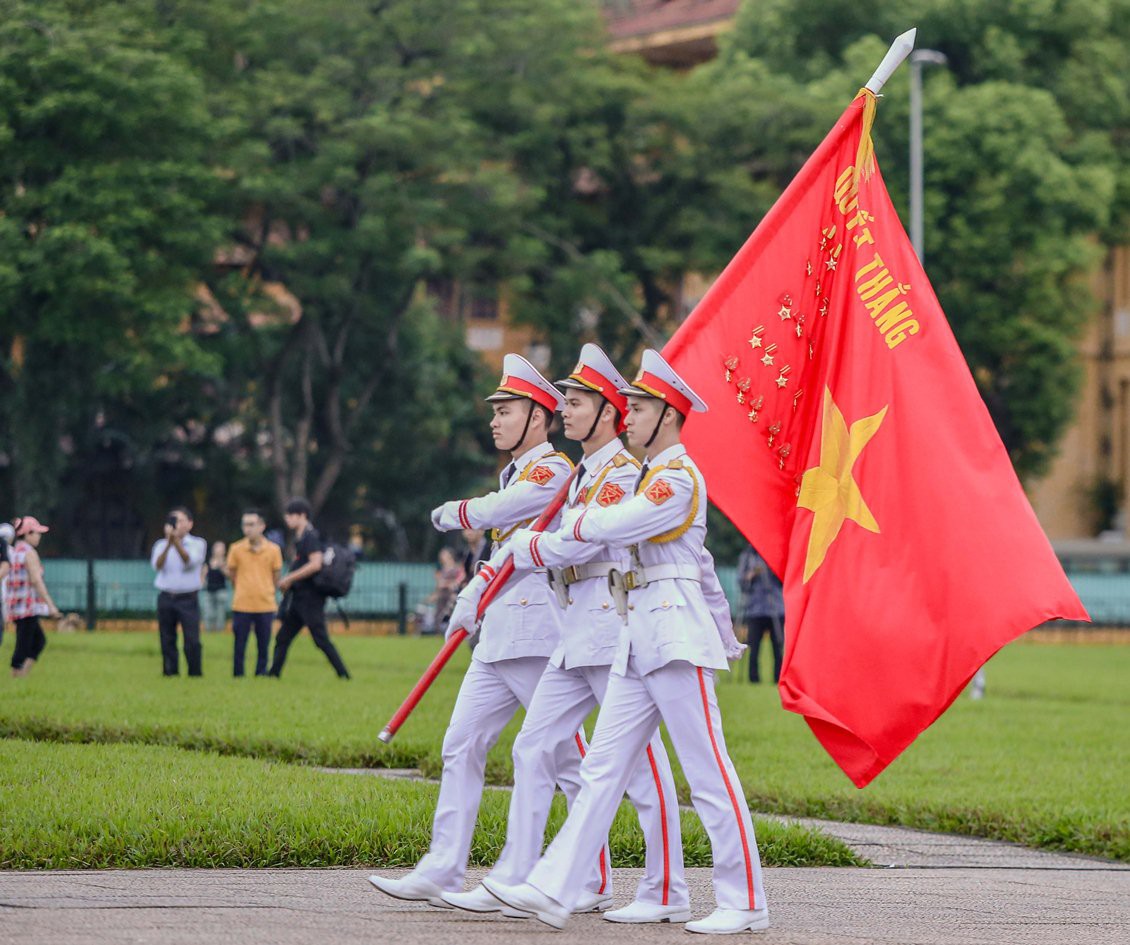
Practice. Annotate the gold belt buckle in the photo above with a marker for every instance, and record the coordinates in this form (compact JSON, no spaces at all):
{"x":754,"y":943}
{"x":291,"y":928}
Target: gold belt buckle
{"x":570,"y":575}
{"x":630,"y":580}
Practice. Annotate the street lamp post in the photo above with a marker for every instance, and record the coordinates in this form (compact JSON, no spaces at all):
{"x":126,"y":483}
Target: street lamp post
{"x":918,"y":59}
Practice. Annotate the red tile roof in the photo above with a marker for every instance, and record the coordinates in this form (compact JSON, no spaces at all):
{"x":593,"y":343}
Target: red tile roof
{"x":641,"y":17}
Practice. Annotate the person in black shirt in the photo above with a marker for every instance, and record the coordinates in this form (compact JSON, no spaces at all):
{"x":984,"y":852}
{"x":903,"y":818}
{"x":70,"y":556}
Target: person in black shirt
{"x":303,"y":604}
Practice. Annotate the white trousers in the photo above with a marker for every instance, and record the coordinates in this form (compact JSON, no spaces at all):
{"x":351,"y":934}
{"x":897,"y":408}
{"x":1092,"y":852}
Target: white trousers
{"x":563,"y":699}
{"x":682,"y":696}
{"x":488,"y":698}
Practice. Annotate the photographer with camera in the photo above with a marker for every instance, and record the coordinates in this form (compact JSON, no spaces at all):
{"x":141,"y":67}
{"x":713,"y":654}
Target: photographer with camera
{"x":178,"y":559}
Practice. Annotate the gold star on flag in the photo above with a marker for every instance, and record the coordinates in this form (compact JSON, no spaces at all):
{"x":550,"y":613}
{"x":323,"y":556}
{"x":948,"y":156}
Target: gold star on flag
{"x":782,"y":381}
{"x":830,"y":262}
{"x":785,"y":312}
{"x":767,"y":360}
{"x":829,"y":490}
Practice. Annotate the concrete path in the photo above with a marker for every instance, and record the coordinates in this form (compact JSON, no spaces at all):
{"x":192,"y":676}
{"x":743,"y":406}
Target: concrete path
{"x":983,"y":894}
{"x":926,"y":889}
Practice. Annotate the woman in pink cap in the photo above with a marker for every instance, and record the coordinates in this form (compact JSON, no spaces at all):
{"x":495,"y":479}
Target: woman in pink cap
{"x":27,"y":597}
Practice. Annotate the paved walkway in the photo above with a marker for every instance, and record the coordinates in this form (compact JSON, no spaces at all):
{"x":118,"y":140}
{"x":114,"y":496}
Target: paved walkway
{"x":943,"y":891}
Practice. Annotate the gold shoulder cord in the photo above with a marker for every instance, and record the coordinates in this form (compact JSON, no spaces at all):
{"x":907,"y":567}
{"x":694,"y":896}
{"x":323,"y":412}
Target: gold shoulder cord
{"x":679,"y":530}
{"x":501,"y":536}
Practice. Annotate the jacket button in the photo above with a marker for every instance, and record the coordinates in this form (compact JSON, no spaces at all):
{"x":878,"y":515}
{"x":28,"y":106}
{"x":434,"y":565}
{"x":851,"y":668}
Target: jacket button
{"x":570,"y":600}
{"x":665,"y":604}
{"x":523,"y":602}
{"x":631,"y":607}
{"x":604,"y":605}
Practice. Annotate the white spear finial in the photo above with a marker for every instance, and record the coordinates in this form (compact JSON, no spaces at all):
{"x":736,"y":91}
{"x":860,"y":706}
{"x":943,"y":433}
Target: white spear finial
{"x":899,"y":50}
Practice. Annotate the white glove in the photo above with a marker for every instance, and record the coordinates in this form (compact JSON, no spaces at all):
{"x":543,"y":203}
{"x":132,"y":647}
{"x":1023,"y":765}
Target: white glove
{"x":518,"y":546}
{"x":520,"y":537}
{"x":569,"y":518}
{"x":437,"y":513}
{"x":466,"y":608}
{"x":463,"y":616}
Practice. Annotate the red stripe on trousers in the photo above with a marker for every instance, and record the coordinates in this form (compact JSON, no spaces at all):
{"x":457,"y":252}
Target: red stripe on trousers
{"x":663,"y":818}
{"x":729,"y":787}
{"x":603,"y":865}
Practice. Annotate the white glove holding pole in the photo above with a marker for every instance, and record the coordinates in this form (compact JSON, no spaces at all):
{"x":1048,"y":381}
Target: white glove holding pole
{"x":466,"y":611}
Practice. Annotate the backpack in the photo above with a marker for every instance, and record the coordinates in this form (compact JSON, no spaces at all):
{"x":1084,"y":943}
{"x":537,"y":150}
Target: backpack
{"x":336,"y":577}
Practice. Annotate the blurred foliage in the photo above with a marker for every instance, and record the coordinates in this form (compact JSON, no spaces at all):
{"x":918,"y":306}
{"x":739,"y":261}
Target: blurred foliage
{"x":224,"y":223}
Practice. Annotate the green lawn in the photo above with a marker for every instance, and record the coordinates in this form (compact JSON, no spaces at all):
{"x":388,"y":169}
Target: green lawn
{"x":100,"y":806}
{"x":1044,"y":759}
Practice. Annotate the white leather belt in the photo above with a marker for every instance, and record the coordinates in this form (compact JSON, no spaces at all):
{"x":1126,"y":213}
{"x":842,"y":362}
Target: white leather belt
{"x":642,"y":577}
{"x":583,"y":572}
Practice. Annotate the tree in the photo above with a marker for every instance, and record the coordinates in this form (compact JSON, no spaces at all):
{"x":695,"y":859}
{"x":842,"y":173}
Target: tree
{"x":359,"y":159}
{"x":104,"y":223}
{"x":1026,"y":167}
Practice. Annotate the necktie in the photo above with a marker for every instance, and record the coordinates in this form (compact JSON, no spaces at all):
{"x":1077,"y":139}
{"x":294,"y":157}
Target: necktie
{"x":507,"y":473}
{"x":576,"y":489}
{"x":643,"y":475}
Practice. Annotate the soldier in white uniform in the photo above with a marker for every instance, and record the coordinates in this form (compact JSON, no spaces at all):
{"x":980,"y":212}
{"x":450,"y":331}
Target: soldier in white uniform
{"x":664,"y":669}
{"x":519,"y":632}
{"x":575,"y":680}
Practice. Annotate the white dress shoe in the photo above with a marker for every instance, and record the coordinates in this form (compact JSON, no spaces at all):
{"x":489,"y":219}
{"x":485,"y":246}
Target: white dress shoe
{"x":731,"y":921}
{"x":640,"y":912}
{"x":411,"y":887}
{"x":592,"y":902}
{"x":479,"y":900}
{"x":526,"y":898}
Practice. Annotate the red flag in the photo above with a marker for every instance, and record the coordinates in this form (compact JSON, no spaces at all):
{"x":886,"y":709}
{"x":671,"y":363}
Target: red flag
{"x":848,"y":442}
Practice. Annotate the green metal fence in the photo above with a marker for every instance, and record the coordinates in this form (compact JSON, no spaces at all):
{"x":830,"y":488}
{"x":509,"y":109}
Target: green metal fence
{"x":114,"y":589}
{"x":105,"y":589}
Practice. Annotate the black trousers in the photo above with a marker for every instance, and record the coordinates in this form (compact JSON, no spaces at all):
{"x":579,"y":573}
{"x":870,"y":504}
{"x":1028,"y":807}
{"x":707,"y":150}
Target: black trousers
{"x":30,"y":641}
{"x":757,"y":627}
{"x":305,"y":610}
{"x":183,"y":609}
{"x":242,"y":623}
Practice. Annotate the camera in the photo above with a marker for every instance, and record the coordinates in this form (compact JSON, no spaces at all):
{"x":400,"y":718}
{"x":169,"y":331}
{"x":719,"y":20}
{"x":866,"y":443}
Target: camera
{"x":171,"y":521}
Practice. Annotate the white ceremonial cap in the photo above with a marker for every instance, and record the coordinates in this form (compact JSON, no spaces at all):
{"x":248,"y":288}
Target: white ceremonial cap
{"x":595,"y":372}
{"x":658,"y":379}
{"x":521,"y":379}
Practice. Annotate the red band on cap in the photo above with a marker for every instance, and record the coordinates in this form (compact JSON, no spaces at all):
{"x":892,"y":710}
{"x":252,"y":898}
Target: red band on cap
{"x":658,"y":386}
{"x":596,"y":381}
{"x":515,"y":385}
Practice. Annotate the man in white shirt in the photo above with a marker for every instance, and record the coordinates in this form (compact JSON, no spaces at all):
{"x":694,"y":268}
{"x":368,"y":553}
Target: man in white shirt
{"x":178,"y":559}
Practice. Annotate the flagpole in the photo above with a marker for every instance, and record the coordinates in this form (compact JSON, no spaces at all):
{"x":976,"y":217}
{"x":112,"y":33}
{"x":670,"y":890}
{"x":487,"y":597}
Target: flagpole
{"x":899,"y":50}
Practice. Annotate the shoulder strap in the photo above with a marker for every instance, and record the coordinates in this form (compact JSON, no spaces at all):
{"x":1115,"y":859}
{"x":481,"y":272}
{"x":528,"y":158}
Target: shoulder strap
{"x":533,"y":462}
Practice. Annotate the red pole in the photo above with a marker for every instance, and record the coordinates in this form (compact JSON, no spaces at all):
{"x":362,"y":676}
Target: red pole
{"x":452,"y":644}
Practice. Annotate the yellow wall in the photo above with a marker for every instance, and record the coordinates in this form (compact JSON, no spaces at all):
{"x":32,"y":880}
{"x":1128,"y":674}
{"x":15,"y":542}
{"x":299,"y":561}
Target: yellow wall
{"x":1097,"y":444}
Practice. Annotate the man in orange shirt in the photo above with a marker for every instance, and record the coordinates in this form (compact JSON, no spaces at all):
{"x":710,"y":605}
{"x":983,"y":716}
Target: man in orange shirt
{"x":254,"y":565}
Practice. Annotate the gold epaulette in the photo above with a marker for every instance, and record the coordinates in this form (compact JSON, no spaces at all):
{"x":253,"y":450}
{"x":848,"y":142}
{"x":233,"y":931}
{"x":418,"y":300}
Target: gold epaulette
{"x":623,"y":459}
{"x":562,"y":455}
{"x":676,"y":463}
